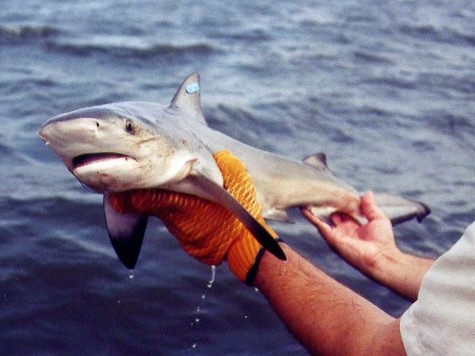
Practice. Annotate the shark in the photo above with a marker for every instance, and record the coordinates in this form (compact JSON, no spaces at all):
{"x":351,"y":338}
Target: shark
{"x":123,"y":146}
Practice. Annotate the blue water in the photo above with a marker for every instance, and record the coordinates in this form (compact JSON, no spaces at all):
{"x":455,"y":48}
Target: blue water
{"x":385,"y":88}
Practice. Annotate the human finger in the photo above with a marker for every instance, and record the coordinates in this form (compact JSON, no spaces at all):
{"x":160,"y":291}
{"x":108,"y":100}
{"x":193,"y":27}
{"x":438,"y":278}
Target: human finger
{"x":322,"y":226}
{"x":369,"y":207}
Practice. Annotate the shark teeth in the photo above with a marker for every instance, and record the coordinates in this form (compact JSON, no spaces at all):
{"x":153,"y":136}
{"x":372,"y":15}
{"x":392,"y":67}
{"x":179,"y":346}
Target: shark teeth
{"x":89,"y":158}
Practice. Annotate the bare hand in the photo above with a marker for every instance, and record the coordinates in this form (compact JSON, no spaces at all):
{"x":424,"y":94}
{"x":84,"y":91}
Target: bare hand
{"x":371,"y":248}
{"x":359,"y":245}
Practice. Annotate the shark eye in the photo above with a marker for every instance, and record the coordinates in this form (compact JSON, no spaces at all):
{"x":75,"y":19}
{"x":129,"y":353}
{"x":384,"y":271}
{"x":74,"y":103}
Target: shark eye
{"x":129,"y":127}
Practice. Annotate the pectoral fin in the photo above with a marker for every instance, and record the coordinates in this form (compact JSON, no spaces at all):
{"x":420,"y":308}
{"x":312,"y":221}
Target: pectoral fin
{"x":126,"y":232}
{"x":222,"y":197}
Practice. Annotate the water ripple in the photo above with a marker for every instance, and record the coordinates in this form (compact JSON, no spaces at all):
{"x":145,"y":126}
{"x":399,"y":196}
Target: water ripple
{"x":146,"y":52}
{"x":438,"y":35}
{"x":26,"y":32}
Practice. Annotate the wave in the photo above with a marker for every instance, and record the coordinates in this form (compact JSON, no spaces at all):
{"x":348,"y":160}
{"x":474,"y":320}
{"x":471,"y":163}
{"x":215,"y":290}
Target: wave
{"x":374,"y":57}
{"x":17,"y":33}
{"x":442,"y":35}
{"x":5,"y":151}
{"x":448,"y":83}
{"x":450,"y":123}
{"x":245,"y":35}
{"x":49,"y":37}
{"x":391,"y":81}
{"x":164,"y":50}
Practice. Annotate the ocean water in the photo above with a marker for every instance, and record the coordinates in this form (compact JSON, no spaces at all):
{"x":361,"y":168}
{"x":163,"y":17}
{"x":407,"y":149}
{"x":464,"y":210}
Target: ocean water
{"x":385,"y":88}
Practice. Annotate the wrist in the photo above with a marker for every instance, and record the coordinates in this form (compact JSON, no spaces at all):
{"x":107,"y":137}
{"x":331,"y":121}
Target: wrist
{"x":400,"y":272}
{"x":244,"y":258}
{"x":385,"y":262}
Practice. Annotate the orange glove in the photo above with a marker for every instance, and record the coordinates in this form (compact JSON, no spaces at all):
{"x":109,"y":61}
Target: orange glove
{"x":206,"y":230}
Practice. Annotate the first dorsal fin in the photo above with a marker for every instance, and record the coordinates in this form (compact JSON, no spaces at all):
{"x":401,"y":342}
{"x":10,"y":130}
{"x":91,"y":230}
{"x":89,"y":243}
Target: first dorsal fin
{"x":187,"y":97}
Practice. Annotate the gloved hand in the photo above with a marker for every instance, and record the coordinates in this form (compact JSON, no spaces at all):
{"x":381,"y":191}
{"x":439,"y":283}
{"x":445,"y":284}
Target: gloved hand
{"x":206,"y":230}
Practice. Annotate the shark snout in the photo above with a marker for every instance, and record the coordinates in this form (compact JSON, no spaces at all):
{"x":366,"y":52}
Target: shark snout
{"x":47,"y":132}
{"x":71,"y":138}
{"x":43,"y":135}
{"x":55,"y":132}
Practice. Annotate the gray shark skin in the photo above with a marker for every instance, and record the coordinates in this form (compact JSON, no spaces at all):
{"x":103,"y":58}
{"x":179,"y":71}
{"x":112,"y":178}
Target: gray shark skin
{"x":136,"y":145}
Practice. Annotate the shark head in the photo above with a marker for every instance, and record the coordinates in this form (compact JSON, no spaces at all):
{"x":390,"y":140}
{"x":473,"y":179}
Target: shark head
{"x":117,"y":147}
{"x":107,"y":149}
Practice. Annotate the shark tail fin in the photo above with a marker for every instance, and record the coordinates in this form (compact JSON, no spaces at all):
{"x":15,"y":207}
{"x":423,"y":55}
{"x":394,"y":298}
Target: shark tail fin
{"x":396,"y":208}
{"x":399,"y":209}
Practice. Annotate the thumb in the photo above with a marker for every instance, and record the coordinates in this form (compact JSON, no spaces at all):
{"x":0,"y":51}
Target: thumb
{"x":369,"y":207}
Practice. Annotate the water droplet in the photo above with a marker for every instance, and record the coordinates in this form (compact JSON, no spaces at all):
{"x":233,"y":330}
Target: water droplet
{"x":194,"y":345}
{"x":284,"y":271}
{"x":213,"y":276}
{"x":203,"y":296}
{"x":131,"y":274}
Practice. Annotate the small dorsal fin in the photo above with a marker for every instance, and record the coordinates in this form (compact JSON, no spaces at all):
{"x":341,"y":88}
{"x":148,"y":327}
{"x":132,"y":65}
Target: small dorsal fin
{"x":187,"y":97}
{"x":317,"y":160}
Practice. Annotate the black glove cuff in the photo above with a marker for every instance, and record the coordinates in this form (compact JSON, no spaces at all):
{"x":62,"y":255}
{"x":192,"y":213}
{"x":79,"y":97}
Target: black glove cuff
{"x":251,"y":275}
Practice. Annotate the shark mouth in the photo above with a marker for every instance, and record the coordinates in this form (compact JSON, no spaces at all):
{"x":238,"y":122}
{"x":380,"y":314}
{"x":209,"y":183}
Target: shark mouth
{"x":89,"y":158}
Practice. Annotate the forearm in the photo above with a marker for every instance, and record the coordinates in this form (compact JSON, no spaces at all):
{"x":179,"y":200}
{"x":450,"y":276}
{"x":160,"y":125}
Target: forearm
{"x":399,"y":271}
{"x":325,"y":316}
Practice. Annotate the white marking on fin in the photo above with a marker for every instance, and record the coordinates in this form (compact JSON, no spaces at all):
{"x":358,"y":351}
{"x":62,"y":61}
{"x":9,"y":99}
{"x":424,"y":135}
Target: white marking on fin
{"x":192,"y":88}
{"x":277,"y":215}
